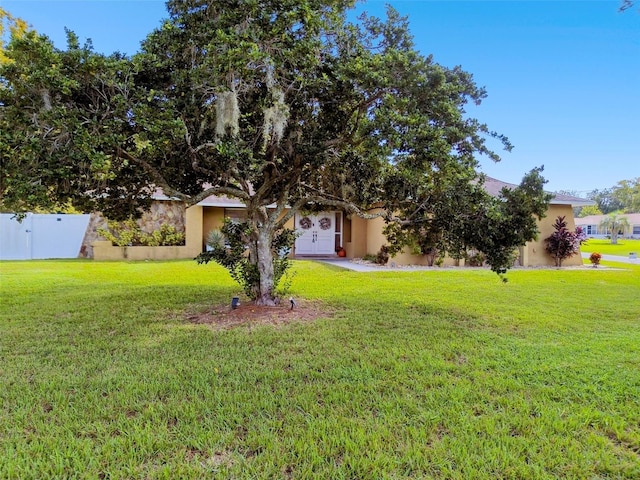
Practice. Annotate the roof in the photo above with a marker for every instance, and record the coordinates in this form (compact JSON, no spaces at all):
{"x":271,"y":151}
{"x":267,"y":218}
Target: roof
{"x":491,"y":185}
{"x":210,"y":201}
{"x":632,"y":218}
{"x":494,"y":187}
{"x":221,"y":201}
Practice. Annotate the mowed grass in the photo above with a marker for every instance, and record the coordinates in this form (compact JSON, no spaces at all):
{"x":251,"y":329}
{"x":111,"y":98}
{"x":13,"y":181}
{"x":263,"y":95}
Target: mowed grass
{"x":623,"y":248}
{"x":432,"y":374}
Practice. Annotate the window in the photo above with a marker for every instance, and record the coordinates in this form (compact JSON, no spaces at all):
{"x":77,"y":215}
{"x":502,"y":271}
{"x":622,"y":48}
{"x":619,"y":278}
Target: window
{"x":338,"y":239}
{"x":236,"y":215}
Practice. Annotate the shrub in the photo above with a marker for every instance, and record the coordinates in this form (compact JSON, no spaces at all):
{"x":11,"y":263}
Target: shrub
{"x":165,"y":236}
{"x":128,"y":233}
{"x":121,"y":234}
{"x":215,"y":239}
{"x":230,"y":249}
{"x":476,"y":259}
{"x":383,"y":255}
{"x":370,"y":257}
{"x":564,"y":243}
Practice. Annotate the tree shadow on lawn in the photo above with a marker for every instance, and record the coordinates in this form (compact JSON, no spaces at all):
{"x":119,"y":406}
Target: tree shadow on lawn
{"x":212,"y":306}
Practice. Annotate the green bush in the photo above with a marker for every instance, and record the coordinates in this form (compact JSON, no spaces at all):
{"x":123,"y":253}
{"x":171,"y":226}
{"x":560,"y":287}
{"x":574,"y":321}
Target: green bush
{"x":128,"y":233}
{"x":476,"y":259}
{"x":383,"y":255}
{"x":166,"y":235}
{"x":230,"y":247}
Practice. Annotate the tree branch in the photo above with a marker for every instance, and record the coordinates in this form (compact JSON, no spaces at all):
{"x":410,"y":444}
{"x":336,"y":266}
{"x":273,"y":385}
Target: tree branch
{"x":168,"y":190}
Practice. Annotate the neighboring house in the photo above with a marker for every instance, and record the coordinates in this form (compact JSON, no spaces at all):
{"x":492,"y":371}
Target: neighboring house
{"x":321,"y":234}
{"x":591,"y":225}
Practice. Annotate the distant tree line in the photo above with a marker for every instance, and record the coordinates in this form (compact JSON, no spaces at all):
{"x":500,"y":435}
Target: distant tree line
{"x":624,"y":197}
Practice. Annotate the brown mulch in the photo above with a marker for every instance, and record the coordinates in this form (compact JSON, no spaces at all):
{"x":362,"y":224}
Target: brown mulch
{"x":223,"y":317}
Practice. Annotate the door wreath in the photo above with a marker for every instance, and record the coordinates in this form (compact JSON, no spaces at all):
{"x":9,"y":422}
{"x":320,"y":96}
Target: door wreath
{"x":325,"y":223}
{"x":305,"y":223}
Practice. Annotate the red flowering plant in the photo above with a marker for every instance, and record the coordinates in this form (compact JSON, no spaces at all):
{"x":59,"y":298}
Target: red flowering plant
{"x":563,"y":243}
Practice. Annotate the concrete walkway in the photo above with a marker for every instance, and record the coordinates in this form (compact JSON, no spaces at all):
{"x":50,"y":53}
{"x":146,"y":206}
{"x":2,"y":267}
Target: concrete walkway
{"x":360,"y":267}
{"x":615,"y":258}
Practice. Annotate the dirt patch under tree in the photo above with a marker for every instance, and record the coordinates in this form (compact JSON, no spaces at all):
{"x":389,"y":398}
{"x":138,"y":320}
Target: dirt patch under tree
{"x":223,"y":317}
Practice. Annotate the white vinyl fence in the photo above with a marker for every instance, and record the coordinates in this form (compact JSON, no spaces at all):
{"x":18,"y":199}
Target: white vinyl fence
{"x":41,"y":236}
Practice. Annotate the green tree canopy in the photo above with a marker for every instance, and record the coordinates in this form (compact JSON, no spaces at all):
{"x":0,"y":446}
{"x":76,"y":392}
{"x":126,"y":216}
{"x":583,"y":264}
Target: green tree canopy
{"x":10,"y":27}
{"x":284,"y":105}
{"x":627,"y":194}
{"x":624,"y":196}
{"x":605,"y":200}
{"x":589,"y":210}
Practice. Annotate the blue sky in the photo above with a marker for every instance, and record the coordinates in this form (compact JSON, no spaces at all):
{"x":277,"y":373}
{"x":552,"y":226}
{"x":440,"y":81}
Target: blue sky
{"x":563,"y":77}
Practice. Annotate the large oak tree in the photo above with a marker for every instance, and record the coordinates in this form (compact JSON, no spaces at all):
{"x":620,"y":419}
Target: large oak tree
{"x":282,"y":104}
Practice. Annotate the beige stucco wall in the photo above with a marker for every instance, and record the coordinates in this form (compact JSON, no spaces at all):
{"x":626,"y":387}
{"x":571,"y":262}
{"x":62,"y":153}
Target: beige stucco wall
{"x":194,"y":230}
{"x":375,"y":237}
{"x":103,"y":250}
{"x":361,"y":237}
{"x":367,"y":238}
{"x":213,"y":218}
{"x":535,"y":254}
{"x":355,"y":237}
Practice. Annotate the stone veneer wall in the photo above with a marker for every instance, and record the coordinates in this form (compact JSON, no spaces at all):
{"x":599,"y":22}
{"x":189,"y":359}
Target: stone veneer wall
{"x":96,"y":221}
{"x":160,"y":213}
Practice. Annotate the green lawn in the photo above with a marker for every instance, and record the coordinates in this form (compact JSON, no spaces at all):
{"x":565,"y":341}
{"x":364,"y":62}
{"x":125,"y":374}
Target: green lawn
{"x":439,"y":374}
{"x":623,"y":248}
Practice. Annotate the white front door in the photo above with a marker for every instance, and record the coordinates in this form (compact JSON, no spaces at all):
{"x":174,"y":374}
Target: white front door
{"x":317,"y":234}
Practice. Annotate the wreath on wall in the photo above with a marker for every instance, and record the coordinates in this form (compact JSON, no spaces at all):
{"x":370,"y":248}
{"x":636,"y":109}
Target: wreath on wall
{"x":305,"y":223}
{"x":325,"y":223}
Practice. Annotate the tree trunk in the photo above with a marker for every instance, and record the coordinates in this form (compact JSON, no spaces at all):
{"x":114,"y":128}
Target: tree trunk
{"x":264,"y":290}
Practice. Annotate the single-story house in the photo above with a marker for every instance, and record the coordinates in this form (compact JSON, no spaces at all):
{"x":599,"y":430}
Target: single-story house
{"x":591,"y":225}
{"x":322,"y":233}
